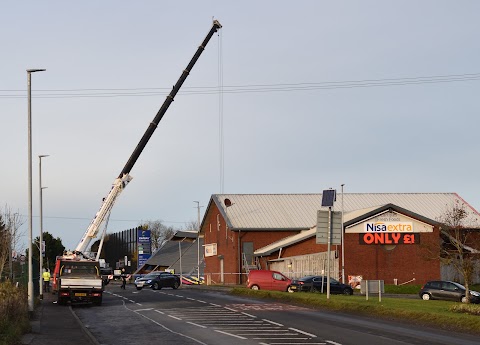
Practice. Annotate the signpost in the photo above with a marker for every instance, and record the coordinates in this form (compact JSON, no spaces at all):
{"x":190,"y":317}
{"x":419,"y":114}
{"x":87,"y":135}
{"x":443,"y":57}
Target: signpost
{"x":326,"y":223}
{"x":144,"y":247}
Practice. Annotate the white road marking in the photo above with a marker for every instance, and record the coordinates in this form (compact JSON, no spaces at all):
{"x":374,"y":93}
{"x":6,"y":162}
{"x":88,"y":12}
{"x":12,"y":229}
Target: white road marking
{"x":168,"y":329}
{"x":161,"y":312}
{"x":275,"y":323}
{"x":250,"y":315}
{"x":230,"y":334}
{"x":299,"y":331}
{"x":332,"y":342}
{"x":216,"y":305}
{"x":174,"y":317}
{"x":196,"y":324}
{"x":138,"y":310}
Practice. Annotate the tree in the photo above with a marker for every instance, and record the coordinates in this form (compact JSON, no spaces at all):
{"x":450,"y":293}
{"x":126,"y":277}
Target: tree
{"x":159,"y":233}
{"x":53,"y":248}
{"x":191,"y":226}
{"x":460,"y":247}
{"x":9,"y":236}
{"x":4,"y":244}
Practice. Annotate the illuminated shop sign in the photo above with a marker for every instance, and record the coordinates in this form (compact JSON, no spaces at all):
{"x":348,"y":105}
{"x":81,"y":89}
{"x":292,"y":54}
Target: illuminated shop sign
{"x":389,"y":227}
{"x":389,"y":238}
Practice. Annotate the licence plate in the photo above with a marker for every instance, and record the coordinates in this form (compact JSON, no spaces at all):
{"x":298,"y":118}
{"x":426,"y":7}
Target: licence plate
{"x":80,"y":294}
{"x":140,"y":283}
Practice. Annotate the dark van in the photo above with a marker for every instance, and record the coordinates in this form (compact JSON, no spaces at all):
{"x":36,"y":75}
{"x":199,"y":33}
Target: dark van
{"x":268,"y":280}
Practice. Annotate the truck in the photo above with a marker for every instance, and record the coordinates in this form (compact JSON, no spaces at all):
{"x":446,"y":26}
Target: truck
{"x":77,"y":280}
{"x":77,"y":277}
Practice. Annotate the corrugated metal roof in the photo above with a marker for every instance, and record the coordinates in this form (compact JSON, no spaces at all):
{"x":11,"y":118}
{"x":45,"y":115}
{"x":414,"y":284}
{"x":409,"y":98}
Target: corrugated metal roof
{"x":169,"y":255}
{"x":285,"y":242}
{"x":299,"y":211}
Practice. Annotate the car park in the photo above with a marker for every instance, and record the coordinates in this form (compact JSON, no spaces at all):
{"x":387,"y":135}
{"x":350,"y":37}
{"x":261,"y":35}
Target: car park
{"x":268,"y":280}
{"x":319,"y":284}
{"x":447,"y":290}
{"x":158,"y":280}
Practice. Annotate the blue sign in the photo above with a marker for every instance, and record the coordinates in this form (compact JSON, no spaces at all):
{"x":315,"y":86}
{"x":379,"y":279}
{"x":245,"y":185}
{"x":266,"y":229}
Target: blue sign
{"x":144,"y":247}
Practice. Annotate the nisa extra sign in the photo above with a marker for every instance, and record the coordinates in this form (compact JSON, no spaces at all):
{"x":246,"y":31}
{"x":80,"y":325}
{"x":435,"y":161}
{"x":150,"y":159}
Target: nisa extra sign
{"x":388,"y":227}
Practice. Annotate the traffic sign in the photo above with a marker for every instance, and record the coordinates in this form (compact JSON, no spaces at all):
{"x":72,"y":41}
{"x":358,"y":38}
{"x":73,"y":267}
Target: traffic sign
{"x":323,"y":227}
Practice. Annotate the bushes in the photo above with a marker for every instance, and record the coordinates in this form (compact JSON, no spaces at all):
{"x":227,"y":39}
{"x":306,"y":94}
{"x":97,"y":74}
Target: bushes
{"x":14,"y":320}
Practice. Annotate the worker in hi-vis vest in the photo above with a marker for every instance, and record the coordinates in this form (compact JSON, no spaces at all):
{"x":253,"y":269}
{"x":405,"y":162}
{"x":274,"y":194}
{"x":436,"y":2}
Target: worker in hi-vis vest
{"x":46,"y":280}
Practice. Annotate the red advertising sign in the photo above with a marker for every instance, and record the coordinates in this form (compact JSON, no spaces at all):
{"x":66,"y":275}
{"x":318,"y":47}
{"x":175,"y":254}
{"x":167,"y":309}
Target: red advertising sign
{"x":389,"y":238}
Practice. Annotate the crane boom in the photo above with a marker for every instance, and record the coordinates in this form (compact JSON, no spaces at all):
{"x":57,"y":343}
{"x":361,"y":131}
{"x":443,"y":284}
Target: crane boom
{"x":124,"y":177}
{"x":153,"y":125}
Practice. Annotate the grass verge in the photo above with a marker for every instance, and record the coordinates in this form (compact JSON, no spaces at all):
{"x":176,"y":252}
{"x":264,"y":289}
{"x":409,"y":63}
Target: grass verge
{"x":441,"y":314}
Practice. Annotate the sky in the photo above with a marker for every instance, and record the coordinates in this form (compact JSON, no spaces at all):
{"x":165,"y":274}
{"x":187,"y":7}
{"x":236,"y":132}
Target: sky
{"x":381,"y":96}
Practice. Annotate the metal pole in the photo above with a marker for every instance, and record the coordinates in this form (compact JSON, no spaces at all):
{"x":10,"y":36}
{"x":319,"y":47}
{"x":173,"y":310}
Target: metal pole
{"x":329,"y":239}
{"x":343,"y":243}
{"x":180,"y":258}
{"x":30,"y":211}
{"x":40,"y":280}
{"x":198,"y":243}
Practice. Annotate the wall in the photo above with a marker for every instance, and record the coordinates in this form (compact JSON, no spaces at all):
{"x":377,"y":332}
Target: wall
{"x":405,"y":262}
{"x":214,"y":230}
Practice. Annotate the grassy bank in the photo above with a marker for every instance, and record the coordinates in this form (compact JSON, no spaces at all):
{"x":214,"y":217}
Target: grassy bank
{"x":442,"y":314}
{"x":14,"y":318}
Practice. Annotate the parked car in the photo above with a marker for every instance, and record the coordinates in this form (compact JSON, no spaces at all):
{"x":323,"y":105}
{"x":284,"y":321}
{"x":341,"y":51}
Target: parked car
{"x":158,"y":280}
{"x":314,"y":284}
{"x":447,"y":290}
{"x":268,"y":280}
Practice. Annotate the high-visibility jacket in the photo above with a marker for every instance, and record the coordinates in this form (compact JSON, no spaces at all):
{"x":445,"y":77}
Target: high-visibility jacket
{"x":46,"y":276}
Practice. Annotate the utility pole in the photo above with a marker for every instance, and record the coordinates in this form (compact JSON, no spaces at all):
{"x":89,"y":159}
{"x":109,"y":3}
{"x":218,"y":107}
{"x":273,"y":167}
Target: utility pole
{"x":198,"y":241}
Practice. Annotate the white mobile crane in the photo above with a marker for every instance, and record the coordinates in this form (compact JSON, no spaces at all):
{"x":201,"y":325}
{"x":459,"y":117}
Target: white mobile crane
{"x":119,"y":184}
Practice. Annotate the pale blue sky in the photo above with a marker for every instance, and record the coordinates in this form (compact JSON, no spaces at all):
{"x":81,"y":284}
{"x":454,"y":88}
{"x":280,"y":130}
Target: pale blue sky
{"x":412,"y":137}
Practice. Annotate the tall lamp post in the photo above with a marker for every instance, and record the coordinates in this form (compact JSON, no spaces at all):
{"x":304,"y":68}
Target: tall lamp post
{"x":40,"y":280}
{"x":198,"y":242}
{"x":30,"y":223}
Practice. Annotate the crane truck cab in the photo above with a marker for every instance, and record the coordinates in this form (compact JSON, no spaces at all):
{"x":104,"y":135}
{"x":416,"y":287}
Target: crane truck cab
{"x":77,"y":280}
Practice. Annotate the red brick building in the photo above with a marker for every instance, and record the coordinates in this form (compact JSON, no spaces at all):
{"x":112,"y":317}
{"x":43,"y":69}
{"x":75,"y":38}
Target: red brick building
{"x":386,"y":236}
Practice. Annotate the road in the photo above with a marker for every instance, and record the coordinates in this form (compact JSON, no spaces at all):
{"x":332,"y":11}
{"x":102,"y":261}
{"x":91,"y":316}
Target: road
{"x":191,"y":315}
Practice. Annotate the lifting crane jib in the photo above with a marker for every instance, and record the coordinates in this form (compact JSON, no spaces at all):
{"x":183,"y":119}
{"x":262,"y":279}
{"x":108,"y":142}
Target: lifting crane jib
{"x":124,"y":178}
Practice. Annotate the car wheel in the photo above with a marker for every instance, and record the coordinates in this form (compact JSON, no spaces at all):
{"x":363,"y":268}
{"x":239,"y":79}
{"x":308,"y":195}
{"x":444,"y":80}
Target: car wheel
{"x":156,"y":286}
{"x":289,"y":289}
{"x":138,"y":287}
{"x":426,"y":297}
{"x":464,"y":299}
{"x":314,"y":289}
{"x":255,"y":287}
{"x":175,"y":285}
{"x":347,"y":292}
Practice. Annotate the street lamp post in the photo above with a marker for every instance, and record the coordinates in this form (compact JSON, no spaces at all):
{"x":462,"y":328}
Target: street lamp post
{"x":198,"y":242}
{"x":40,"y":280}
{"x":30,"y":222}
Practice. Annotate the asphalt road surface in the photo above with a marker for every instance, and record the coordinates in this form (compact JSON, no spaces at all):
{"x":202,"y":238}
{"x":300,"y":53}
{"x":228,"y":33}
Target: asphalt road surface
{"x":190,"y":315}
